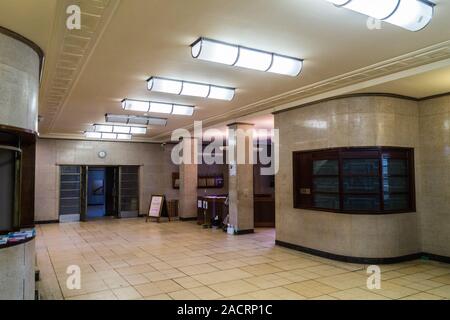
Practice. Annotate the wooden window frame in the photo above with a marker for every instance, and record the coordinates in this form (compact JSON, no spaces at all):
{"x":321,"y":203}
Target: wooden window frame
{"x":303,"y":176}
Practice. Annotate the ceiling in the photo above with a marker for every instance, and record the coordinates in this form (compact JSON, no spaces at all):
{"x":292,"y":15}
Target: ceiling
{"x":123,"y":43}
{"x":419,"y":86}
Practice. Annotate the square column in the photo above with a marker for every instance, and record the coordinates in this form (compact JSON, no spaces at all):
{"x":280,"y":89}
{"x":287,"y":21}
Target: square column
{"x":188,"y":179}
{"x":240,"y":159}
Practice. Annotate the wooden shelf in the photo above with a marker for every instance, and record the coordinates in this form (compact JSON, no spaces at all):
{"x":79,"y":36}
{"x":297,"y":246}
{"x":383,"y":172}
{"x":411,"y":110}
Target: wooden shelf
{"x":204,"y":182}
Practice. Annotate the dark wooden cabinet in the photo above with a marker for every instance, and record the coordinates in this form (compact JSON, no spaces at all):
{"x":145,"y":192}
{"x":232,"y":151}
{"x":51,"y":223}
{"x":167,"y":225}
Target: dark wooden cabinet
{"x":264,"y":211}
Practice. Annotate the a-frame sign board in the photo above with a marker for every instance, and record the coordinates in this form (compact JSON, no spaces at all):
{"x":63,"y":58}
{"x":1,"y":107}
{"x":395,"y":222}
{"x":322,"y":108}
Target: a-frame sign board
{"x":158,"y":208}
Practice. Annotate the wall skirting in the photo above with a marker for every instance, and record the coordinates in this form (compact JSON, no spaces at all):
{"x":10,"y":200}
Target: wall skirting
{"x":360,"y":260}
{"x":188,"y":219}
{"x":242,"y":232}
{"x":46,"y":222}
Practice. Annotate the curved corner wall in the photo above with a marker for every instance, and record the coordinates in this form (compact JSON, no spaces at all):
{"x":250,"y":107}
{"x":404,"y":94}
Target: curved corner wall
{"x":359,"y":121}
{"x":20,"y":64}
{"x":17,"y":280}
{"x":19,"y":78}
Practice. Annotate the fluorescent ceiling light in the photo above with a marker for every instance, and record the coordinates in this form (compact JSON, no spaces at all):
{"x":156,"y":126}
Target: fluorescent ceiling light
{"x":239,"y":56}
{"x":170,"y":108}
{"x":157,"y":107}
{"x":139,"y":120}
{"x":188,"y":88}
{"x":412,"y":15}
{"x":135,"y":105}
{"x":107,"y":136}
{"x":93,"y":135}
{"x":182,"y":110}
{"x":103,"y":128}
{"x":111,"y":136}
{"x":119,"y":129}
{"x":138,"y":130}
{"x":124,"y":137}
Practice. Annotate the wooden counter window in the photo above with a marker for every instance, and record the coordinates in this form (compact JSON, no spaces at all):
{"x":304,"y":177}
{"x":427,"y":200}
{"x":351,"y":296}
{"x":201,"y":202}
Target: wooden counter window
{"x":372,"y":180}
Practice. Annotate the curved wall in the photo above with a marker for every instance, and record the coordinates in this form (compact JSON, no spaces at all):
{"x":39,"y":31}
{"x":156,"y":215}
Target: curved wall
{"x":17,"y":272}
{"x":19,"y":78}
{"x":346,"y":122}
{"x":20,"y":62}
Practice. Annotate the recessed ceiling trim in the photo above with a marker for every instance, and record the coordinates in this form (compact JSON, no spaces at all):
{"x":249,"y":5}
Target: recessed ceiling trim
{"x":68,"y":43}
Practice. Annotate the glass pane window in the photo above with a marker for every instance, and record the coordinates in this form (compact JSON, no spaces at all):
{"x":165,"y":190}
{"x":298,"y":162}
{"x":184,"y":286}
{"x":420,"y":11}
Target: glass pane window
{"x":326,"y":201}
{"x":394,"y":167}
{"x":326,"y":184}
{"x":363,"y":180}
{"x":361,"y":167}
{"x":361,"y":185}
{"x":362,"y":203}
{"x":326,"y":167}
{"x":395,"y":184}
{"x":396,"y":202}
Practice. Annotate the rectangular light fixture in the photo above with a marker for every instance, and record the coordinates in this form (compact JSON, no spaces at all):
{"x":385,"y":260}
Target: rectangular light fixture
{"x":139,"y":120}
{"x":189,"y":88}
{"x":107,"y":136}
{"x":118,"y":129}
{"x":157,"y":107}
{"x":239,"y":56}
{"x":412,"y":15}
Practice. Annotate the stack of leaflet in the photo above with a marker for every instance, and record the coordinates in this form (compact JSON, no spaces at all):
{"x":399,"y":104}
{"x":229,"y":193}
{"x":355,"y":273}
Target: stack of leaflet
{"x":18,"y":236}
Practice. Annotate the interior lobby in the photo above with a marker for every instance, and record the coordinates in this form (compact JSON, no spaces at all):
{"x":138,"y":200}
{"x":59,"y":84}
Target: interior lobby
{"x":224,"y":150}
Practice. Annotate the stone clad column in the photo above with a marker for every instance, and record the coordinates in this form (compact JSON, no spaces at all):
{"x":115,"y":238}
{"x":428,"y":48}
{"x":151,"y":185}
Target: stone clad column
{"x":188,"y":179}
{"x":240,"y":155}
{"x":20,"y":62}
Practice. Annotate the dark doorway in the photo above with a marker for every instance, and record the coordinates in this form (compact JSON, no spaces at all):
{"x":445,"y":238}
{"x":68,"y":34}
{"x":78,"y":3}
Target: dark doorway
{"x":96,"y":196}
{"x":102,"y":192}
{"x":112,"y":191}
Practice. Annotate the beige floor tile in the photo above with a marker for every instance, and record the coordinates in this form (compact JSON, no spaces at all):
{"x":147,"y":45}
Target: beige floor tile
{"x":168,"y":286}
{"x":182,"y":261}
{"x":233,"y":288}
{"x":442,"y":279}
{"x":136,"y":279}
{"x":205,"y":293}
{"x":422,"y":296}
{"x":297,"y":263}
{"x":278,"y":293}
{"x":188,"y":282}
{"x":326,"y":270}
{"x":261,"y":269}
{"x":116,"y":282}
{"x":127,"y":293}
{"x":159,"y":297}
{"x":311,"y":288}
{"x":357,"y":294}
{"x":222,"y":276}
{"x":443,"y":292}
{"x":102,"y":295}
{"x":268,"y":281}
{"x":144,"y":268}
{"x":183,"y":295}
{"x":324,"y":297}
{"x":298,"y":275}
{"x":197,"y":269}
{"x":148,"y":289}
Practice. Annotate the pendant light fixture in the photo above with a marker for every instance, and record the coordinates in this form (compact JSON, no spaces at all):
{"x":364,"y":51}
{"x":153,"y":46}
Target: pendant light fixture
{"x":412,"y":15}
{"x":239,"y":56}
{"x":189,"y":88}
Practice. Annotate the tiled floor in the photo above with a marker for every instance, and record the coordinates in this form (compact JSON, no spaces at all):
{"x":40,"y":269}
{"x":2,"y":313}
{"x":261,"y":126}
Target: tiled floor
{"x":131,"y":259}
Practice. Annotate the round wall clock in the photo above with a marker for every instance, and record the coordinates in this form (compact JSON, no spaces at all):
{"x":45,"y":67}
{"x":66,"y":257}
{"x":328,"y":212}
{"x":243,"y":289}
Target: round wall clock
{"x":102,"y":154}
